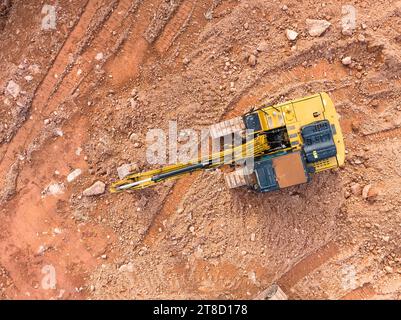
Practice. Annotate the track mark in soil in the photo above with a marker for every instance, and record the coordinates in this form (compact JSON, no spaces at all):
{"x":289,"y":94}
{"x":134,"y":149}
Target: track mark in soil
{"x":54,"y":91}
{"x":42,"y":94}
{"x":31,"y":213}
{"x":179,"y":189}
{"x":307,"y":265}
{"x":31,"y":219}
{"x":362,"y":293}
{"x":161,"y":17}
{"x":125,"y":65}
{"x":175,"y":26}
{"x":383,"y":135}
{"x":87,"y":60}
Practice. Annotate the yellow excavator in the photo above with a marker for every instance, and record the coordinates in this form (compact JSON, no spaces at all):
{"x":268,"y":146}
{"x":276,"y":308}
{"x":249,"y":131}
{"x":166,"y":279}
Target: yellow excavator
{"x":286,"y":143}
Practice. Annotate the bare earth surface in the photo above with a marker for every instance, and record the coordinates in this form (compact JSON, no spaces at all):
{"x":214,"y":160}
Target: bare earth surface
{"x":83,"y":96}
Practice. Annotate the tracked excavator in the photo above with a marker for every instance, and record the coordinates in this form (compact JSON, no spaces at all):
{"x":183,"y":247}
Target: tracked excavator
{"x":287,"y":143}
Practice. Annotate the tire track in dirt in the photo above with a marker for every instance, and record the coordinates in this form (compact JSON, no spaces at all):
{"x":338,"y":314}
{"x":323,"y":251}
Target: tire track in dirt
{"x":43,"y":209}
{"x":114,"y":33}
{"x":28,"y":221}
{"x":42,"y":94}
{"x":97,"y":21}
{"x":306,"y":266}
{"x":175,"y":26}
{"x":47,"y":208}
{"x":364,"y":292}
{"x":54,"y":91}
{"x":170,"y":204}
{"x":382,"y":135}
{"x":161,"y":17}
{"x":125,"y":65}
{"x":87,"y":60}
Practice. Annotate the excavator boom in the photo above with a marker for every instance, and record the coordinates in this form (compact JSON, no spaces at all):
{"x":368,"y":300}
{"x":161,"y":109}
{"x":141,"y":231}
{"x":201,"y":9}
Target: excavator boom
{"x":234,"y":154}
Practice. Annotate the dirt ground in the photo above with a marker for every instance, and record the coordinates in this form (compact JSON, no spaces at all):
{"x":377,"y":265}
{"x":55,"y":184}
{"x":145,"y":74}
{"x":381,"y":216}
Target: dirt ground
{"x":83,"y":96}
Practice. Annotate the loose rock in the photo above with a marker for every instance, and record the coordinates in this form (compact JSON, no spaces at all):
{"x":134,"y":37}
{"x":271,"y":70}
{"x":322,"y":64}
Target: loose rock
{"x":125,"y":170}
{"x":388,"y":269}
{"x":291,"y":34}
{"x":129,"y":267}
{"x":361,"y":38}
{"x":134,"y":93}
{"x":263,"y":46}
{"x":42,"y":249}
{"x":13,"y":88}
{"x":370,"y":192}
{"x":96,"y":189}
{"x":348,"y":25}
{"x":99,"y":56}
{"x":317,"y":27}
{"x":53,"y":189}
{"x":252,"y":60}
{"x":356,"y":189}
{"x":346,"y":61}
{"x":365,"y":191}
{"x":73,"y":175}
{"x":209,"y":15}
{"x":134,"y":137}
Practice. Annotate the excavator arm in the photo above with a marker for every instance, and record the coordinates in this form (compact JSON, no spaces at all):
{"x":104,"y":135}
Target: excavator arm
{"x":253,"y":148}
